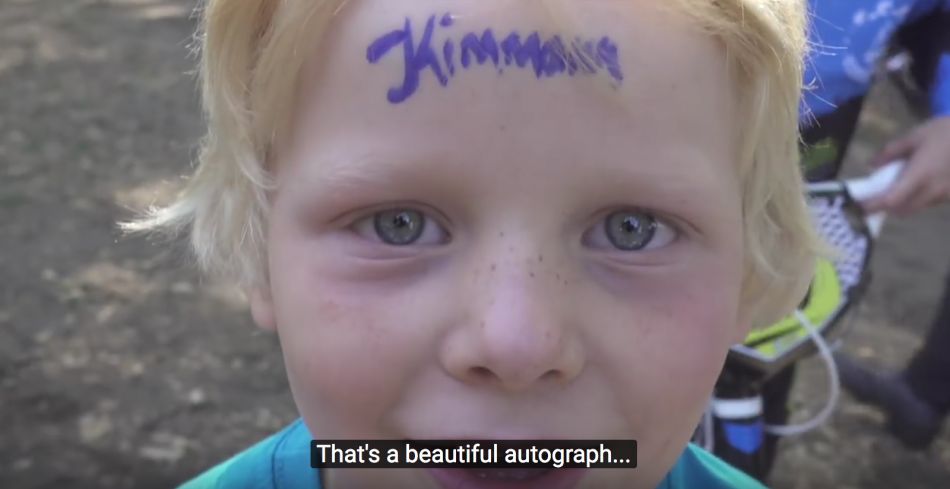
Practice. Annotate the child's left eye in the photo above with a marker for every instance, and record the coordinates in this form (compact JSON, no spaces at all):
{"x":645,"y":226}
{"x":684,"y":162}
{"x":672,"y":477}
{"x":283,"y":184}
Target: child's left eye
{"x":630,"y":230}
{"x":401,"y":227}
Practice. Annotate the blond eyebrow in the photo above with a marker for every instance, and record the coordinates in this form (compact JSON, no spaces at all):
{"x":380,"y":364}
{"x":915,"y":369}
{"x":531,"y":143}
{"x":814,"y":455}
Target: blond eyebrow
{"x":375,"y":168}
{"x":338,"y":173}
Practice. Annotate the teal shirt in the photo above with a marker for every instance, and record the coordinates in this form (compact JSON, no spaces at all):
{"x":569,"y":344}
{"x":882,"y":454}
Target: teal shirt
{"x":282,"y":461}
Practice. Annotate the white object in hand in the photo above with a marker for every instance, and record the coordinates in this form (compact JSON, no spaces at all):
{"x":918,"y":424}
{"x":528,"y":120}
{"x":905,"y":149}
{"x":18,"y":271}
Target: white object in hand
{"x":874,"y":185}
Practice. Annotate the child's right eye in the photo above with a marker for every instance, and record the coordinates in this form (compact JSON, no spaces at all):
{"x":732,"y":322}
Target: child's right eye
{"x":401,"y":227}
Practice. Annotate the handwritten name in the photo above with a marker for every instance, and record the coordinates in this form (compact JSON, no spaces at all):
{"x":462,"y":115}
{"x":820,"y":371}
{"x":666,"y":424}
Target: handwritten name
{"x":548,"y":58}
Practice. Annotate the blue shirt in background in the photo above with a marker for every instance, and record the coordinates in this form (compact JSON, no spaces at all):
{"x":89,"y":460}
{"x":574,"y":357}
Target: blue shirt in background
{"x":848,"y":39}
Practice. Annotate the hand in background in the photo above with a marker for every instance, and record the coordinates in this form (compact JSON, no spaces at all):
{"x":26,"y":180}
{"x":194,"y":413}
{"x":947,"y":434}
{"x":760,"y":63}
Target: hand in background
{"x":925,"y":180}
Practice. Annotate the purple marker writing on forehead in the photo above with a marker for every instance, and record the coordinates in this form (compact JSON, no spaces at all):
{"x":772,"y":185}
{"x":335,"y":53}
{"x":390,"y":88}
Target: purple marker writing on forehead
{"x":549,"y":58}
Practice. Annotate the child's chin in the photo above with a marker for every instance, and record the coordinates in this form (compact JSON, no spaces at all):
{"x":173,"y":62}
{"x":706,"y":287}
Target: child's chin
{"x":507,"y":478}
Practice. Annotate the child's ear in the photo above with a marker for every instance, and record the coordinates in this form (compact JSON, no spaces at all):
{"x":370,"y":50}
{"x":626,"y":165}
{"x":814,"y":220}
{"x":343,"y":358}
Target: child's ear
{"x":262,"y":307}
{"x":743,"y":326}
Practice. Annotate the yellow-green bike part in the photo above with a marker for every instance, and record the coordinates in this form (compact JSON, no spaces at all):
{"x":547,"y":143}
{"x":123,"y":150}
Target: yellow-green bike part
{"x":824,"y":298}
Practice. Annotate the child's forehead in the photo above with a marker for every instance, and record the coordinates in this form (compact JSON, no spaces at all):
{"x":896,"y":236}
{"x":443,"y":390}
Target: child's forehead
{"x":548,"y":39}
{"x":609,"y":54}
{"x":567,"y":81}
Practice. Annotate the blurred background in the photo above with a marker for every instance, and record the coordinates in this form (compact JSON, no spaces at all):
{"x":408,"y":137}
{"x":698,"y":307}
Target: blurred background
{"x":121,"y":368}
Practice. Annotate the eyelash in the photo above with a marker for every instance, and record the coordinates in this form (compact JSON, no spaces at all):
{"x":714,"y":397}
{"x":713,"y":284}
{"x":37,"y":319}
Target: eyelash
{"x":368,"y":227}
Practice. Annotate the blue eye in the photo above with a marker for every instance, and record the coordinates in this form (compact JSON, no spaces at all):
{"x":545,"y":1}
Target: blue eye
{"x":630,"y":230}
{"x":401,"y":227}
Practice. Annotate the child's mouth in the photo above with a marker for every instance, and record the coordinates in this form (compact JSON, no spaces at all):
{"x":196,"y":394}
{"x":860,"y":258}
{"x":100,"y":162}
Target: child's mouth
{"x":512,"y":475}
{"x":507,"y":478}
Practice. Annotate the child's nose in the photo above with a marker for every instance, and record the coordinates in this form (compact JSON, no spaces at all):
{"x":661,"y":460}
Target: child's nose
{"x":519,"y":335}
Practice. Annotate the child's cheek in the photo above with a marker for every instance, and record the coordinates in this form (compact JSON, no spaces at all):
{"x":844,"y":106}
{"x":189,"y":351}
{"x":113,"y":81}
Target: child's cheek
{"x":666,"y":355}
{"x":349,"y":348}
{"x":345,"y":367}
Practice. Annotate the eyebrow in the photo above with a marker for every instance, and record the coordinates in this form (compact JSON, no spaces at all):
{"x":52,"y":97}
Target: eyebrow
{"x":336,"y":177}
{"x":667,"y":188}
{"x":674,"y":187}
{"x":339,"y":173}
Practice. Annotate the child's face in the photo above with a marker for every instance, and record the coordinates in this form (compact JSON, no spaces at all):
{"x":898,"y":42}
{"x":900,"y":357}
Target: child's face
{"x":511,"y":253}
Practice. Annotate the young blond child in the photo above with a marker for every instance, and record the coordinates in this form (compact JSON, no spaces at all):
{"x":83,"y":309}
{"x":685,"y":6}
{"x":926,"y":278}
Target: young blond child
{"x":500,"y":219}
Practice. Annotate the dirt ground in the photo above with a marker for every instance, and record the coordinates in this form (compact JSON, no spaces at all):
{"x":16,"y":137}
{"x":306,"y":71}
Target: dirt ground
{"x":121,"y":368}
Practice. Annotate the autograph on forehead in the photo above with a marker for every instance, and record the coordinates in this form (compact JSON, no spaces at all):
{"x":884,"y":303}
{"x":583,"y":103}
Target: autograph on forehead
{"x":549,"y":58}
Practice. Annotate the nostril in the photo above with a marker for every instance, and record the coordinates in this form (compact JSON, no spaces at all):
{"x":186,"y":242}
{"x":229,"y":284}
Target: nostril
{"x":552,"y":375}
{"x":484,"y":375}
{"x":481,"y":374}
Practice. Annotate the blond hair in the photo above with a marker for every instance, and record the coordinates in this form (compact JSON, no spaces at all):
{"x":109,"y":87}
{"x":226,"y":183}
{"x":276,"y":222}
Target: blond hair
{"x":252,"y":52}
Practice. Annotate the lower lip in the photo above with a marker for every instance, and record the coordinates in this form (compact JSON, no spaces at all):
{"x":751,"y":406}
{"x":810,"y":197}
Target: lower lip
{"x":463,"y":479}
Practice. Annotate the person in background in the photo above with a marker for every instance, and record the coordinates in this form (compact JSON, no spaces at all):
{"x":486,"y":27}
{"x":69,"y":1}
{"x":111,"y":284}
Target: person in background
{"x":849,"y":42}
{"x":917,"y":399}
